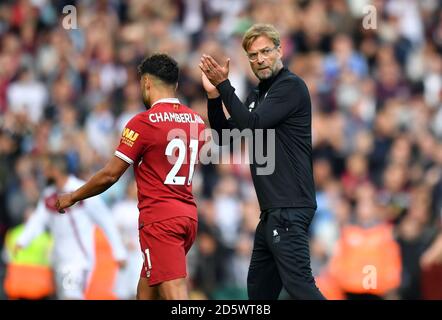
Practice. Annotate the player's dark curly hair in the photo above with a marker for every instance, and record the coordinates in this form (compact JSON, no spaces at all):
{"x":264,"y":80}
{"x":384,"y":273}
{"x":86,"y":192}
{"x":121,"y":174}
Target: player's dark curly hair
{"x":161,"y":66}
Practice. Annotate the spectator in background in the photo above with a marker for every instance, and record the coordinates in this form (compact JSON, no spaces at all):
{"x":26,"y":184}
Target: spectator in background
{"x":209,"y":270}
{"x":344,"y":59}
{"x":367,"y":248}
{"x":394,"y":196}
{"x":27,"y":97}
{"x":415,"y":234}
{"x":228,"y":210}
{"x":131,"y":106}
{"x":355,"y":175}
{"x":100,"y":129}
{"x":29,"y":274}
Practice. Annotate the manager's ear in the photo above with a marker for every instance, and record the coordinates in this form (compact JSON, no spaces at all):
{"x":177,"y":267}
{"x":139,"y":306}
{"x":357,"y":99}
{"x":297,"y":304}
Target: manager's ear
{"x":279,"y":50}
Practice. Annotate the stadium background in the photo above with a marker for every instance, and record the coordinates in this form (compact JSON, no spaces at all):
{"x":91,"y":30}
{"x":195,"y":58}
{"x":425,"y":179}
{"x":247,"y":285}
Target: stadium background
{"x":377,"y":129}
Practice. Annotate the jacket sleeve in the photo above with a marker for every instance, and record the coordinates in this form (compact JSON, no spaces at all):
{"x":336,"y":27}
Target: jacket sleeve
{"x":217,"y":118}
{"x":282,"y":100}
{"x":35,"y":225}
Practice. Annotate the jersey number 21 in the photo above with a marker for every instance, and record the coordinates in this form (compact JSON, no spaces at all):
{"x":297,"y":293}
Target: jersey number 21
{"x":172,"y":177}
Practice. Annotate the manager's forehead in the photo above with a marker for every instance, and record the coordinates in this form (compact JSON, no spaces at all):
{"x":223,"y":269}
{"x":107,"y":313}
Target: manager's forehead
{"x":261,"y":40}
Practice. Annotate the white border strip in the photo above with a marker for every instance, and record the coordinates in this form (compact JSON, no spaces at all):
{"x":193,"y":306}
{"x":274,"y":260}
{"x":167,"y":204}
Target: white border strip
{"x":122,"y":156}
{"x":166,"y":100}
{"x":149,"y":263}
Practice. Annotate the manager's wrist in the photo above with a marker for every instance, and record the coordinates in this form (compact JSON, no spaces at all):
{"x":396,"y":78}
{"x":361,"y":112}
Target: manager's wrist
{"x":222,"y":85}
{"x":213,"y":95}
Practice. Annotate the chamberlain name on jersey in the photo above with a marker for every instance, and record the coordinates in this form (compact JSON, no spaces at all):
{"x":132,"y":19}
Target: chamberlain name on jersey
{"x":176,"y":117}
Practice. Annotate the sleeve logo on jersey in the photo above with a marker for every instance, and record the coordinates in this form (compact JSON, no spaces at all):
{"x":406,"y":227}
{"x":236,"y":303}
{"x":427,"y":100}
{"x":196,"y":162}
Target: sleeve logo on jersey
{"x":129,"y":136}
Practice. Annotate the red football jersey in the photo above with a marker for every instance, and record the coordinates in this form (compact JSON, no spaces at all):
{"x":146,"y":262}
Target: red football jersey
{"x":163,"y":144}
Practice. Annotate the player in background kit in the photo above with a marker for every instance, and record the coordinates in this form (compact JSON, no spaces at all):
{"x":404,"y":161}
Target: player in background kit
{"x":73,"y":254}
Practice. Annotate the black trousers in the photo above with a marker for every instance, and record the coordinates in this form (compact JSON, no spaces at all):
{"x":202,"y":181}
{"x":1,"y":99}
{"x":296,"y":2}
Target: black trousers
{"x":281,"y":256}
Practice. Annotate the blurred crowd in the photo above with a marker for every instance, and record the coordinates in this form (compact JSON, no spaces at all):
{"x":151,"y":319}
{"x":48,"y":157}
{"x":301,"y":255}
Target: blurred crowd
{"x":377,"y":127}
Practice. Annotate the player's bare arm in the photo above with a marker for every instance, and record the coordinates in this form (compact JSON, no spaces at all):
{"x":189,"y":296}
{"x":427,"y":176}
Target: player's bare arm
{"x":99,"y":183}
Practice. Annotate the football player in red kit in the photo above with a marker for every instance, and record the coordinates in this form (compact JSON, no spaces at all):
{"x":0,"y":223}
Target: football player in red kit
{"x":162,"y":144}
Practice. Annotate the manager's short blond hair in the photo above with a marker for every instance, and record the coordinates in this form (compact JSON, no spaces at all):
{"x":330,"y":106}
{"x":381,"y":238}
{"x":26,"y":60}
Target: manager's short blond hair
{"x":258,"y":30}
